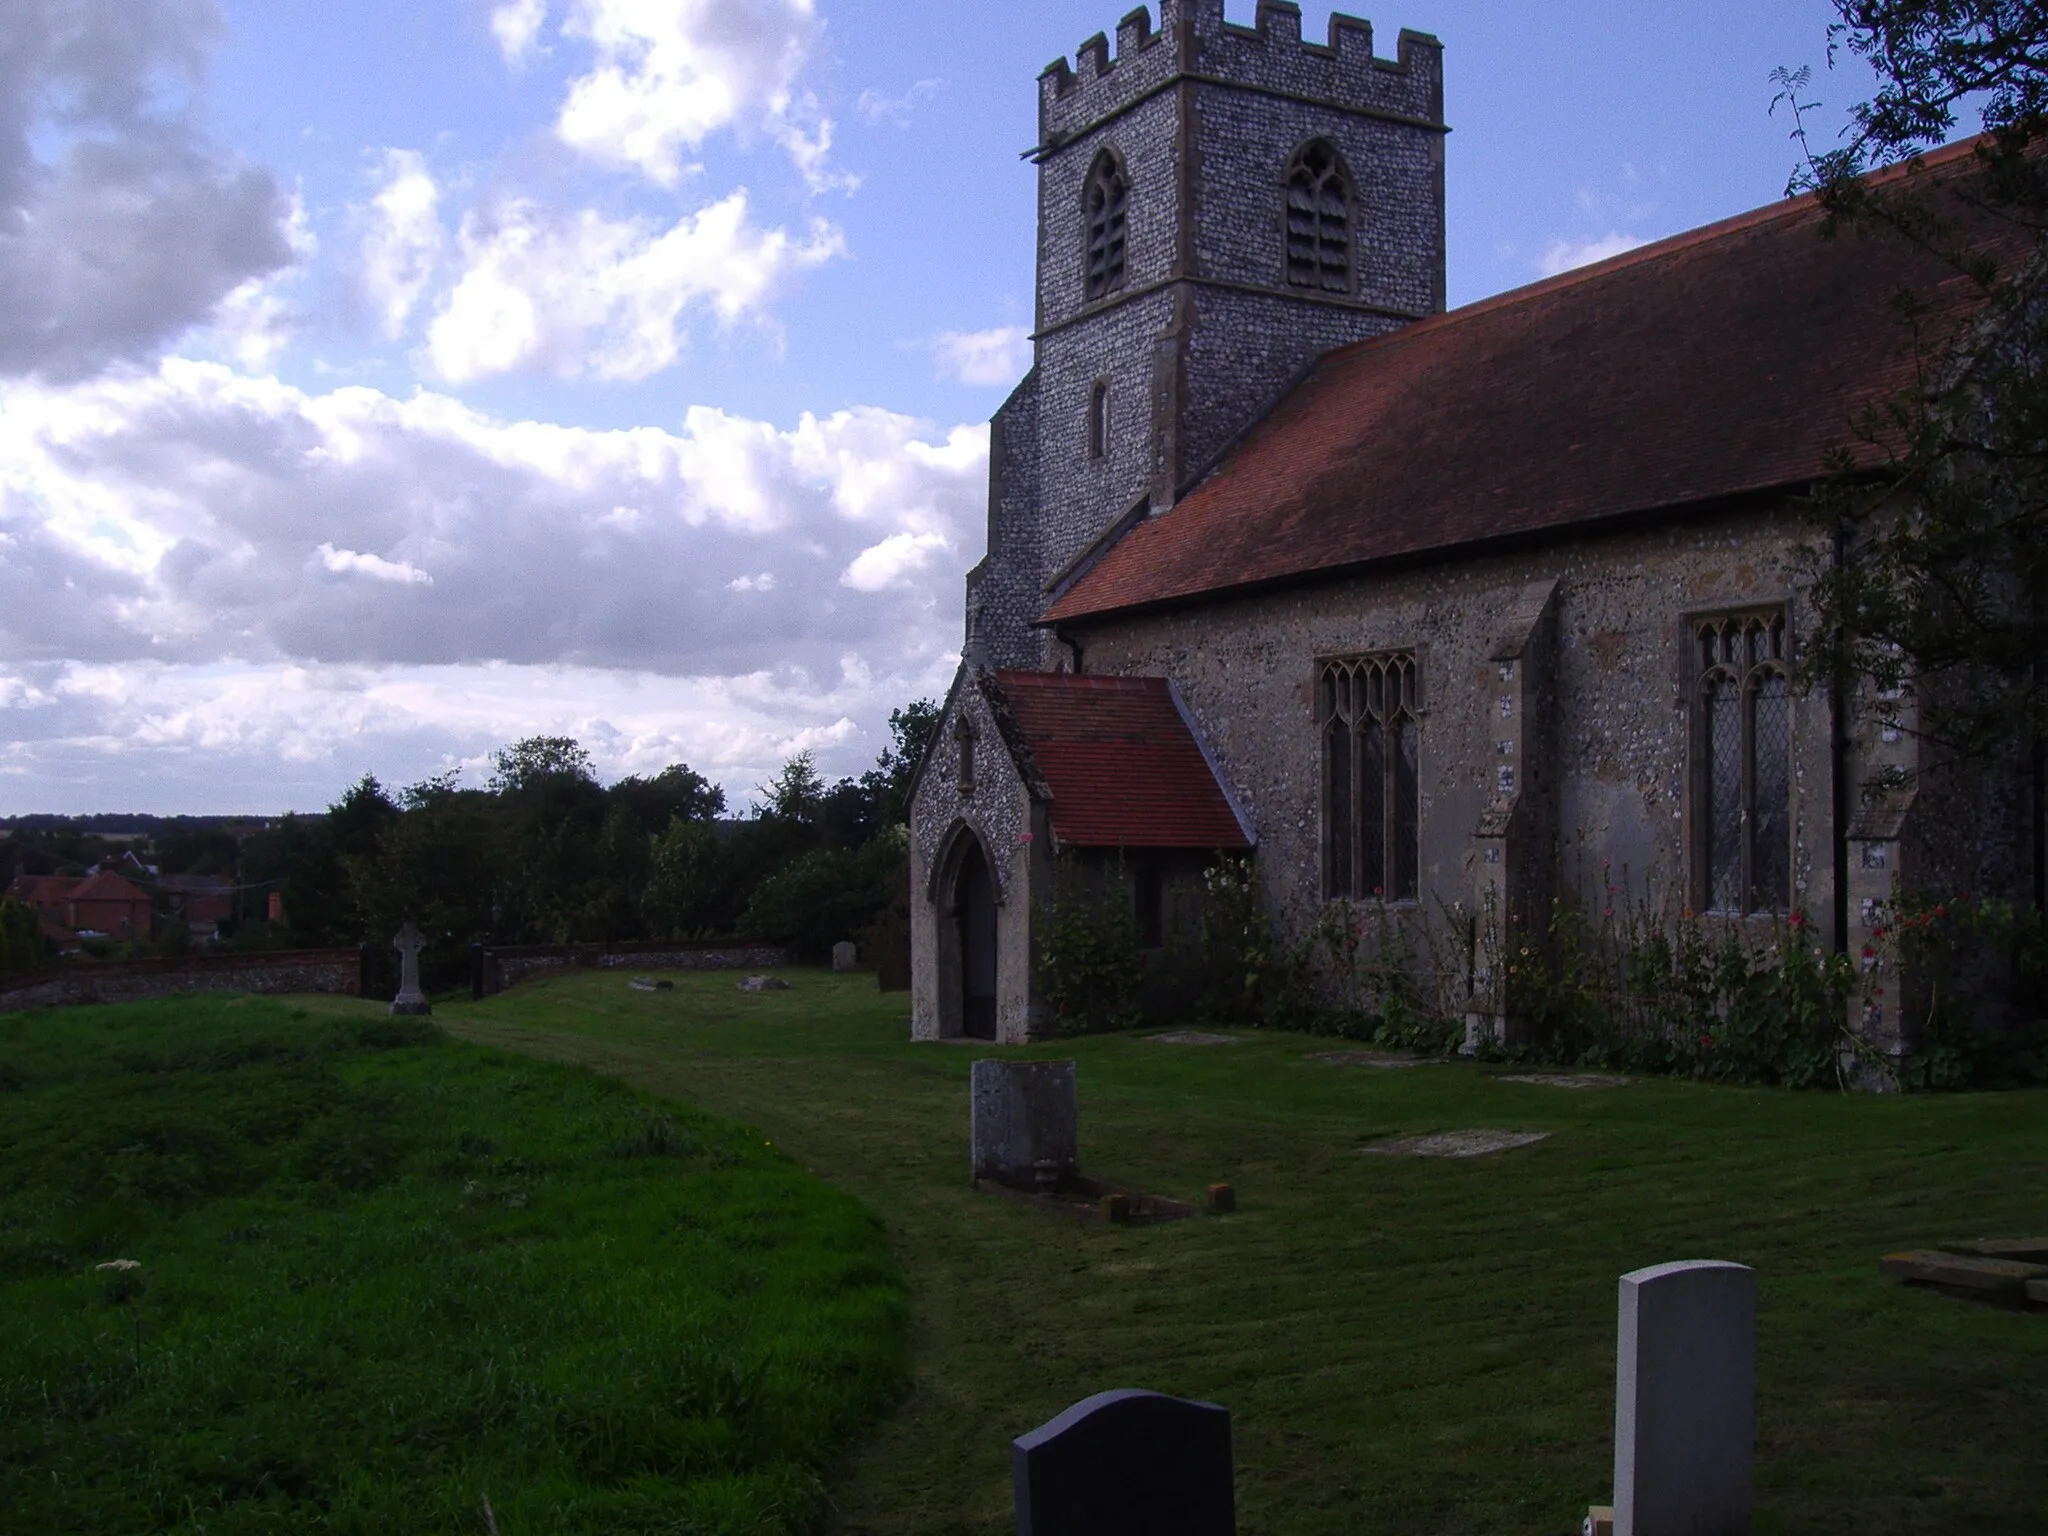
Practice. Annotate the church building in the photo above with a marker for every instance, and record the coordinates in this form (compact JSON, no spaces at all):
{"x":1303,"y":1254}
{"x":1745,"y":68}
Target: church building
{"x":1436,"y":611}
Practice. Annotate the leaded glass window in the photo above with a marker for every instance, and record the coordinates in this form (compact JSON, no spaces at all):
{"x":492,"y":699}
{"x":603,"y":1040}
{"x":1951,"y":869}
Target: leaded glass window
{"x":1742,"y":797}
{"x":1369,"y":719}
{"x":1318,"y":220}
{"x":1106,"y":201}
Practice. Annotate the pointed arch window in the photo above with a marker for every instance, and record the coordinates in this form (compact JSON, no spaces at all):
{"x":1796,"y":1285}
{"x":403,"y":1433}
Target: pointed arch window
{"x":1742,"y":764}
{"x":1367,"y":710}
{"x":1318,"y":220}
{"x":1107,"y":201}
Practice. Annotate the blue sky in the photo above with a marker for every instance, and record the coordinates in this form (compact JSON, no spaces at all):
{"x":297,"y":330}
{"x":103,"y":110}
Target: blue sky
{"x":387,"y":382}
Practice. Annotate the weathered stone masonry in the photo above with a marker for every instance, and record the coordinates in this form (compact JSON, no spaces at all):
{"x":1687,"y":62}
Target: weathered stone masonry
{"x":1203,"y":117}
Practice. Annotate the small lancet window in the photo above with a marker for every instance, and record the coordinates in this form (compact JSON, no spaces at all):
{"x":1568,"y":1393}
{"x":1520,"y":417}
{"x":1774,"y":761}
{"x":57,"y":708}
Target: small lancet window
{"x":963,"y":740}
{"x":1106,"y":201}
{"x":1318,"y":220}
{"x":1098,"y":419}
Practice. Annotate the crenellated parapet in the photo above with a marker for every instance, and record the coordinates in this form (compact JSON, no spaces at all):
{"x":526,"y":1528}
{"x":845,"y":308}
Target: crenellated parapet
{"x":1193,"y":41}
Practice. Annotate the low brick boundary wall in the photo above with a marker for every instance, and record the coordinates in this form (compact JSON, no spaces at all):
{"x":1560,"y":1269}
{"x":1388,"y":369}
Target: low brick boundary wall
{"x":131,"y":981}
{"x":493,"y":970}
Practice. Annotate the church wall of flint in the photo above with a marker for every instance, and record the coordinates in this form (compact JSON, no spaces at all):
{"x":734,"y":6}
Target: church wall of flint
{"x":999,"y":813}
{"x":1207,"y":160}
{"x":1618,"y":683}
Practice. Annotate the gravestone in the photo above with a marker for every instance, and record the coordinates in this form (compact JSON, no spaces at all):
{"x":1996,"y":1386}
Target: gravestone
{"x":1024,"y":1120}
{"x":844,"y":956}
{"x":1685,"y":1400}
{"x":1127,"y":1464}
{"x":411,"y":1002}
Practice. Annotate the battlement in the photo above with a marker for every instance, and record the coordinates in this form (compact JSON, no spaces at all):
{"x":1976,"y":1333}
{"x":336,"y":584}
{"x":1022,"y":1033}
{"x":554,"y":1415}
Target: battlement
{"x":1194,"y":40}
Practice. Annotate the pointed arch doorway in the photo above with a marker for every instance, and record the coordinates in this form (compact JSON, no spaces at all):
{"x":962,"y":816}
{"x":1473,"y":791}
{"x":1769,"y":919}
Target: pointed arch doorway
{"x":974,"y":910}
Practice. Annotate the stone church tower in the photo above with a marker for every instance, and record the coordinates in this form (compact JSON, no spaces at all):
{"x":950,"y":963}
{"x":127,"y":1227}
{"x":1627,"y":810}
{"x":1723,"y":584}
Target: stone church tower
{"x":1217,"y":206}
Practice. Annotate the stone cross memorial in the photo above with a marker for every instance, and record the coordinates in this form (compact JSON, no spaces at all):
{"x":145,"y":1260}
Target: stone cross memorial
{"x":1024,"y":1120}
{"x":1685,"y":1400}
{"x":1127,"y":1464}
{"x":411,"y":1002}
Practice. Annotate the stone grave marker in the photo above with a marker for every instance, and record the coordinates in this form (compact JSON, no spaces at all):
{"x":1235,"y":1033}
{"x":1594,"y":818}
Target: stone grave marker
{"x":1685,"y":1400}
{"x":1127,"y":1464}
{"x":844,"y":956}
{"x":1024,"y":1121}
{"x":411,"y":1002}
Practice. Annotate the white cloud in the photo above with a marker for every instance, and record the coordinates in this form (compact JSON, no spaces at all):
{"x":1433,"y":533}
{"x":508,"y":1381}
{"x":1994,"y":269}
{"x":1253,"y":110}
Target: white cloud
{"x":403,"y":242}
{"x":670,"y":73}
{"x":239,"y":738}
{"x":998,"y":356}
{"x":197,"y":517}
{"x":122,"y":224}
{"x":877,"y":107}
{"x":347,"y":562}
{"x":896,"y":559}
{"x":516,"y":25}
{"x":765,"y":582}
{"x":1565,"y":255}
{"x":581,"y":296}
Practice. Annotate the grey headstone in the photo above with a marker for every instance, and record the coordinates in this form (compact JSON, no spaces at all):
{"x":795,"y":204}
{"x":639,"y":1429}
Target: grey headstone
{"x":411,"y":1002}
{"x":844,"y":956}
{"x":1685,"y":1400}
{"x":1023,"y":1114}
{"x":1127,"y":1464}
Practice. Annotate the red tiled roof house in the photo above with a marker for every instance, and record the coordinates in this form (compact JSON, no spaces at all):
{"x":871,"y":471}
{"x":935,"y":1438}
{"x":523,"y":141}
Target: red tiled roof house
{"x":1445,"y":614}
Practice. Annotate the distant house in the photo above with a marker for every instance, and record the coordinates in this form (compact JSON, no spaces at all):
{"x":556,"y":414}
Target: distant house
{"x":201,"y":902}
{"x":102,"y":904}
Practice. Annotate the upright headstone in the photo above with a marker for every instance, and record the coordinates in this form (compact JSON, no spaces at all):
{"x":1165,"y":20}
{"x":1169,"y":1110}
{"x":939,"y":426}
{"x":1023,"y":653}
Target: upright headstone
{"x":1685,"y":1400}
{"x":1024,"y":1120}
{"x":411,"y":1002}
{"x":1127,"y":1464}
{"x":844,"y":956}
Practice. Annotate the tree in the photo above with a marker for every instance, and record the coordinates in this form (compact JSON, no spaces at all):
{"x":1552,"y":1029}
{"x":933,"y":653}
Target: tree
{"x":1935,"y":574}
{"x":676,"y":791}
{"x":21,"y":938}
{"x":538,"y":760}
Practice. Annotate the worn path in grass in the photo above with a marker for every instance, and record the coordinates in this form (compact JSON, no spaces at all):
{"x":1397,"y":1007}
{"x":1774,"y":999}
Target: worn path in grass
{"x":1406,"y":1345}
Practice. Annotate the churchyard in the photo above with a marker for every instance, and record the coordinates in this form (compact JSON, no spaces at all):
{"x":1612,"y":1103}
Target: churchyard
{"x":1404,"y":1343}
{"x":405,"y":1275}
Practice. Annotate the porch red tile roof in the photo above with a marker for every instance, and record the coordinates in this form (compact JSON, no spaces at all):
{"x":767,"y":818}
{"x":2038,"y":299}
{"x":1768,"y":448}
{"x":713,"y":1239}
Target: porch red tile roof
{"x":1728,"y":361}
{"x":1123,"y":764}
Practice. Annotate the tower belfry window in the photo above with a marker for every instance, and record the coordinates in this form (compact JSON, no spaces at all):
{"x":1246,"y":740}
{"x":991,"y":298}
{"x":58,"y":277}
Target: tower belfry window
{"x":1318,"y":220}
{"x":1106,"y":203}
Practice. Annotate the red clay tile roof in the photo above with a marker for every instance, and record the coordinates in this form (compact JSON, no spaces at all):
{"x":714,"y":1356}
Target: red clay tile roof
{"x":1723,"y":362}
{"x":107,"y":886}
{"x":1124,"y":768}
{"x":43,"y":890}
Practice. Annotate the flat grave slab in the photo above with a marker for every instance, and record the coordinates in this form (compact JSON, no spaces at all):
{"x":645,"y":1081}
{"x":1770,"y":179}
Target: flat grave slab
{"x":1568,"y":1079}
{"x":2021,"y":1250}
{"x":1190,"y":1037}
{"x":1991,"y":1279}
{"x":1455,"y":1143}
{"x":1383,"y":1059}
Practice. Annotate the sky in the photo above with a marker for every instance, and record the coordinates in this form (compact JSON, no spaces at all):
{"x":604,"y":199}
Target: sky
{"x":381,"y":384}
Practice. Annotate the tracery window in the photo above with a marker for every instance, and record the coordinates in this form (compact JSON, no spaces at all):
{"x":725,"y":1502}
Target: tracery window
{"x":1105,"y":201}
{"x":1368,"y":715}
{"x":1318,"y":220}
{"x":1742,"y":763}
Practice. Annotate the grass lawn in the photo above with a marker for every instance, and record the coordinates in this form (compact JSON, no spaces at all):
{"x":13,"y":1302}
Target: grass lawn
{"x":384,"y":1276}
{"x":1406,"y":1346}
